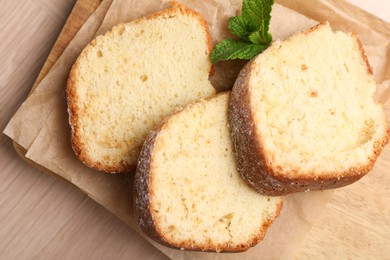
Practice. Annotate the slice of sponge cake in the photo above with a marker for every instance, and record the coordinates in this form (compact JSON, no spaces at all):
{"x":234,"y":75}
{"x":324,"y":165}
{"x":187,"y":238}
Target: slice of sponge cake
{"x":127,"y":80}
{"x":303,"y":114}
{"x":188,"y":193}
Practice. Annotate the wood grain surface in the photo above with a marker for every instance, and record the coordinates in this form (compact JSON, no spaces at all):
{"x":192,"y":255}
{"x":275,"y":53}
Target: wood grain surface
{"x":42,"y":217}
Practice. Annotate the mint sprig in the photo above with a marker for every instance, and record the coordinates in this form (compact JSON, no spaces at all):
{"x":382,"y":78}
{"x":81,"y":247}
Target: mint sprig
{"x":252,"y":29}
{"x":230,"y":49}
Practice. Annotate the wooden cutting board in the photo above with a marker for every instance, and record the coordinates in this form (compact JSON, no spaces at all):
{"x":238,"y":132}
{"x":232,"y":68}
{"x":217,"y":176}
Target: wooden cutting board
{"x":344,"y":231}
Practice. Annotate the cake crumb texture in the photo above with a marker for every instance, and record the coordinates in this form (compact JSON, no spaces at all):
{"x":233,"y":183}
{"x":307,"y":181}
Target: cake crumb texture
{"x":303,"y":114}
{"x":188,"y":193}
{"x":126,"y":81}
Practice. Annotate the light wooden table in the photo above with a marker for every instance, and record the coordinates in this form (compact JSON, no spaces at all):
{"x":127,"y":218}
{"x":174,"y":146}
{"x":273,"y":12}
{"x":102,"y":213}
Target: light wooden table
{"x":42,"y":217}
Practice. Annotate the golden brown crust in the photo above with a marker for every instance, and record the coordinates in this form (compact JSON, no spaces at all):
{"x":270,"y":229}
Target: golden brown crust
{"x":250,"y":157}
{"x":143,"y":199}
{"x":250,"y":154}
{"x":315,"y":27}
{"x":76,"y":140}
{"x":362,"y":52}
{"x":142,"y":194}
{"x":78,"y":145}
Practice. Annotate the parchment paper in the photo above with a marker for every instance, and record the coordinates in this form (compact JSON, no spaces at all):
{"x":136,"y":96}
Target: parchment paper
{"x":45,"y":132}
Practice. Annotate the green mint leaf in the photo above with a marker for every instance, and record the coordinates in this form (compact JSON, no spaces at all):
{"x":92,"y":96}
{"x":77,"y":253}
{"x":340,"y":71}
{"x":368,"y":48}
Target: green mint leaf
{"x":259,"y":12}
{"x":255,"y":37}
{"x":252,"y":27}
{"x":268,"y":38}
{"x":258,"y":38}
{"x":230,"y":49}
{"x":241,"y":27}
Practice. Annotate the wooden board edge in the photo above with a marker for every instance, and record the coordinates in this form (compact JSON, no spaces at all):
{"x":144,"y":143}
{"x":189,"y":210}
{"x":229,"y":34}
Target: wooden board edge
{"x":80,"y":13}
